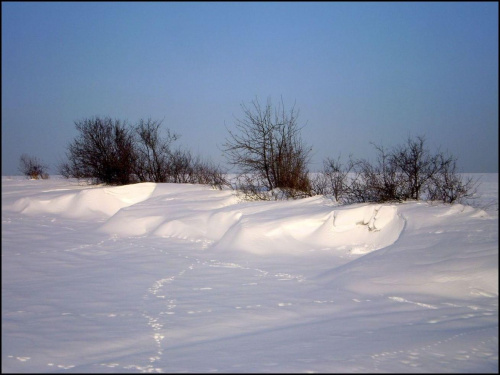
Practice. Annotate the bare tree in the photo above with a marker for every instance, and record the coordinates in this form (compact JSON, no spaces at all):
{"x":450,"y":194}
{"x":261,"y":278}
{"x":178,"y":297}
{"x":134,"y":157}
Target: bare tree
{"x":268,"y":149}
{"x":208,"y":173}
{"x":335,"y":179}
{"x":417,"y":164}
{"x":408,"y":171}
{"x":153,"y":152}
{"x":103,"y":152}
{"x":384,"y":180}
{"x":361,"y":181}
{"x":378,"y":182}
{"x":181,"y":167}
{"x":32,"y":167}
{"x":108,"y":151}
{"x":185,"y":168}
{"x":449,"y":186}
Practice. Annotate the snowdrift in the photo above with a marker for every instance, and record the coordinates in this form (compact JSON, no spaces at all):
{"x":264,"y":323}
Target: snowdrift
{"x":223,"y":223}
{"x":440,"y":254}
{"x":314,"y":225}
{"x":86,"y":204}
{"x":220,"y":219}
{"x":148,"y":277}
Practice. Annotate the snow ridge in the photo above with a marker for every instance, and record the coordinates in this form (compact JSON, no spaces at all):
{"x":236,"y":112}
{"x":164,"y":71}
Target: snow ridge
{"x":220,"y":220}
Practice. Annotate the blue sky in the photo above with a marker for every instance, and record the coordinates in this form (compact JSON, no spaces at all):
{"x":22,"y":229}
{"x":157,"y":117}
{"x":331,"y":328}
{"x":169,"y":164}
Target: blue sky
{"x":358,"y":72}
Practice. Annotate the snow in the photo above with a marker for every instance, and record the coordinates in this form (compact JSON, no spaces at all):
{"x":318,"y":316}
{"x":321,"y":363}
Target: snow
{"x":183,"y":278}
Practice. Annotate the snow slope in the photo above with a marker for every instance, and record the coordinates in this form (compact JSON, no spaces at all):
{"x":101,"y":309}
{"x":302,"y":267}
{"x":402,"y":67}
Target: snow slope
{"x":182,"y":278}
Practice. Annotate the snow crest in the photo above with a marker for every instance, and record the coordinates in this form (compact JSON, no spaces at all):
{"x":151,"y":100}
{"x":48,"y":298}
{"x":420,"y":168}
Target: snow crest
{"x":86,"y":204}
{"x":221,"y":220}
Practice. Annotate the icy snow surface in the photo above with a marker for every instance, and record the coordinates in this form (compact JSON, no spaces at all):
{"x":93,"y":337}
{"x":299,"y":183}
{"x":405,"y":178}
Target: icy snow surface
{"x":182,"y":278}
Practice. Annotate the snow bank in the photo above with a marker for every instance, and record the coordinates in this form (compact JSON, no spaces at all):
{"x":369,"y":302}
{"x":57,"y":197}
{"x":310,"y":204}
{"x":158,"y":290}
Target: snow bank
{"x":176,"y":210}
{"x":86,"y":204}
{"x":314,"y":225}
{"x":220,"y":219}
{"x":442,"y":253}
{"x":148,"y":277}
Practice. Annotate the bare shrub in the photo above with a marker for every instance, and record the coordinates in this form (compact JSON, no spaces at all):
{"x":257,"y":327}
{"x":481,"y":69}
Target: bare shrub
{"x":103,"y":152}
{"x":417,"y":164}
{"x":108,"y":151}
{"x":379,"y":182}
{"x":207,"y":173}
{"x":65,"y":170}
{"x":268,"y":149}
{"x":449,"y":186}
{"x":185,"y":168}
{"x":32,"y":167}
{"x":153,"y":152}
{"x":335,"y":179}
{"x":405,"y":172}
{"x":181,"y":167}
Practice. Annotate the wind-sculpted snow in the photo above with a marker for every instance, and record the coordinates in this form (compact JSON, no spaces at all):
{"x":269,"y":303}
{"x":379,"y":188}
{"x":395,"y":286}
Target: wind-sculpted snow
{"x":184,"y":278}
{"x":430,"y":252}
{"x":314,"y":225}
{"x":85,"y":204}
{"x":219,"y":218}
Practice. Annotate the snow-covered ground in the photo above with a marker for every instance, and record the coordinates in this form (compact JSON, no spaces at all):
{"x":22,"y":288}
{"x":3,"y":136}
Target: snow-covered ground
{"x":183,"y":278}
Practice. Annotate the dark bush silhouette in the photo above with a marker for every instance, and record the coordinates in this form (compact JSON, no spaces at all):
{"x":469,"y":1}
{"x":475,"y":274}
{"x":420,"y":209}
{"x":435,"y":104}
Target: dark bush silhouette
{"x":271,"y":157}
{"x":32,"y":167}
{"x":379,"y":182}
{"x":153,"y":152}
{"x":417,"y":165}
{"x":103,"y":152}
{"x":184,"y":168}
{"x":111,"y":152}
{"x":406,"y":172}
{"x":208,"y":173}
{"x":449,"y":186}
